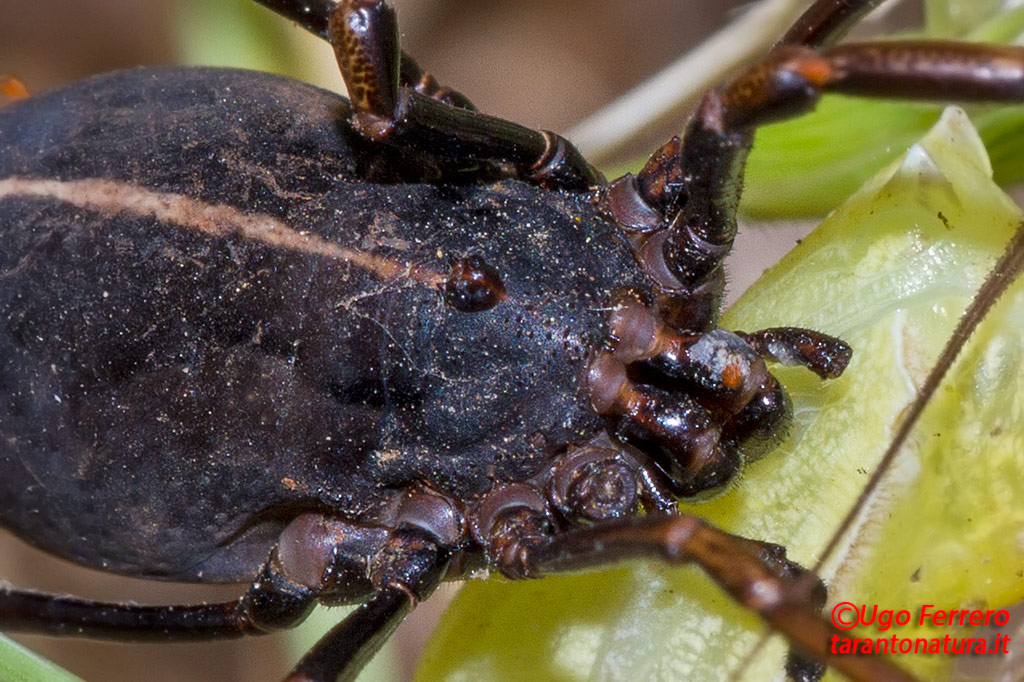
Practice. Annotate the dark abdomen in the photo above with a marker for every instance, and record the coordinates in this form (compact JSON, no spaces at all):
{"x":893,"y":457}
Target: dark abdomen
{"x":209,"y":322}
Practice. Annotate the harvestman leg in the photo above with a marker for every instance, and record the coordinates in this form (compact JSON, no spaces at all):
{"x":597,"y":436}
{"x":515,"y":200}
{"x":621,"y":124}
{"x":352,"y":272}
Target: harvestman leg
{"x":752,"y":573}
{"x":37,"y":612}
{"x":700,"y":209}
{"x":409,"y":571}
{"x":342,"y":652}
{"x":313,"y":15}
{"x":364,"y":35}
{"x":396,"y":103}
{"x":404,"y":569}
{"x":827,"y":21}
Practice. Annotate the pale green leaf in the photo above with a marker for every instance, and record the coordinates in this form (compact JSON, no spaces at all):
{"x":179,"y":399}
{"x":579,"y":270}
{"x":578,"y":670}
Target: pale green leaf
{"x":18,"y":664}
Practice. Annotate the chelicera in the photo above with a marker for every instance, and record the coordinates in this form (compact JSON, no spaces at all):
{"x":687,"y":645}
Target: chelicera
{"x":406,"y":342}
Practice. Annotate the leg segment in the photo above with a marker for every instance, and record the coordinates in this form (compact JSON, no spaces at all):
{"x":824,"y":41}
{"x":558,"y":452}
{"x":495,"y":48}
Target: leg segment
{"x":420,"y":115}
{"x":271,"y":603}
{"x":315,"y":555}
{"x":827,"y":21}
{"x":824,"y":355}
{"x":314,"y":15}
{"x":408,"y":570}
{"x":699,"y":403}
{"x":685,"y":199}
{"x":752,"y":573}
{"x":352,"y":643}
{"x":311,"y":15}
{"x":789,"y":82}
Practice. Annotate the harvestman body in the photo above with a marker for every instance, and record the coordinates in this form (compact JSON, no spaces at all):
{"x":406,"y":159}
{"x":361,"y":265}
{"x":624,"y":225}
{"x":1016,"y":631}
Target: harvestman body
{"x":410,"y":341}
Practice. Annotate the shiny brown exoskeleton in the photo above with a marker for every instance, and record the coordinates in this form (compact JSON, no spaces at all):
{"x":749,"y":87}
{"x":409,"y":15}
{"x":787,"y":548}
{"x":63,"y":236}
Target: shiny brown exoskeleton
{"x":345,"y":350}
